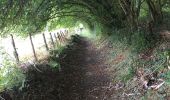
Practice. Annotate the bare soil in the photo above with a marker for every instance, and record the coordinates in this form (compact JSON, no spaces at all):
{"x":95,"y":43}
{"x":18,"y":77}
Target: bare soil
{"x":83,"y":76}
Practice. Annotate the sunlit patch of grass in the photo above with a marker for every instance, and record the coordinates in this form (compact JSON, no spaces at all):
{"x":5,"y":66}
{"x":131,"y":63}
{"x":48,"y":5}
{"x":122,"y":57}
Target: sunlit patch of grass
{"x":41,"y":55}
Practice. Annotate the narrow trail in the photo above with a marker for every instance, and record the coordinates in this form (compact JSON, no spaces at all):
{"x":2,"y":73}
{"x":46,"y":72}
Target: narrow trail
{"x":88,"y":72}
{"x":83,"y":76}
{"x":84,"y":72}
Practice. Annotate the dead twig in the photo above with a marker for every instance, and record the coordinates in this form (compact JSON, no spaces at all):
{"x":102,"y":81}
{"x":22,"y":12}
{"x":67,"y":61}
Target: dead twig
{"x":37,"y":68}
{"x":157,"y":86}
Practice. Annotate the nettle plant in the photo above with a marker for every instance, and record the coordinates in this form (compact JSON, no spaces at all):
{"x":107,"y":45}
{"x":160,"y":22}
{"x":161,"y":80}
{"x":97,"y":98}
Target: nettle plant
{"x":10,"y":74}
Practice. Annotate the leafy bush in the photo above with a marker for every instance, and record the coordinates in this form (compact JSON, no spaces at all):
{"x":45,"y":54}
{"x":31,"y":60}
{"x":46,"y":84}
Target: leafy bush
{"x":10,"y":74}
{"x":130,"y":45}
{"x":137,"y":40}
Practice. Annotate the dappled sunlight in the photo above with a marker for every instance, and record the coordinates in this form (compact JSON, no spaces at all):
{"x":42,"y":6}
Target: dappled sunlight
{"x":84,"y":49}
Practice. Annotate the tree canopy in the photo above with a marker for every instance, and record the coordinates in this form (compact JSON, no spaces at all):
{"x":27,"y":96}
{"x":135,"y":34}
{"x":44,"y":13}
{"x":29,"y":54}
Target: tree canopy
{"x":24,"y":16}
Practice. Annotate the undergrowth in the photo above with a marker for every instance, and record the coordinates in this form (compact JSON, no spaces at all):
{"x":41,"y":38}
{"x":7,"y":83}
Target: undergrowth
{"x":13,"y":75}
{"x":136,"y":50}
{"x":10,"y":75}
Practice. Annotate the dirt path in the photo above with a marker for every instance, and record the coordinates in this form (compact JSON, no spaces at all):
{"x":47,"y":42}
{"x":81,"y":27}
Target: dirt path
{"x":84,"y":71}
{"x":83,"y":76}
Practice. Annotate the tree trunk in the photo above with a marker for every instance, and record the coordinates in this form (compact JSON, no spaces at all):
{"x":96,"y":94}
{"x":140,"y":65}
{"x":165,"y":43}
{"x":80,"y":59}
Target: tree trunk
{"x":156,"y":10}
{"x":131,"y":10}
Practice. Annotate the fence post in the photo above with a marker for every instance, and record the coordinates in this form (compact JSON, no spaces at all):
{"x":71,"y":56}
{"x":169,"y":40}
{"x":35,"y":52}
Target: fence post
{"x":15,"y":50}
{"x":56,"y":39}
{"x":62,"y":36}
{"x":33,"y":49}
{"x":66,"y":33}
{"x":52,"y":40}
{"x":59,"y":38}
{"x":45,"y":42}
{"x":58,"y":35}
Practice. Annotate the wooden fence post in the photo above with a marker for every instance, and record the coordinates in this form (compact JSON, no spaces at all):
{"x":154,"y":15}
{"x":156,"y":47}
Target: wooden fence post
{"x":45,"y":42}
{"x":59,"y":38}
{"x":62,"y":36}
{"x":52,"y":40}
{"x":56,"y":39}
{"x":58,"y":35}
{"x":15,"y":50}
{"x":33,"y":49}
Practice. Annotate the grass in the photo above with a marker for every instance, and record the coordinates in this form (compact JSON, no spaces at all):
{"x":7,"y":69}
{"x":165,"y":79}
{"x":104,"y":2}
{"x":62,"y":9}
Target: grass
{"x":125,"y":60}
{"x":128,"y":75}
{"x":10,"y":75}
{"x":130,"y":45}
{"x":167,"y":77}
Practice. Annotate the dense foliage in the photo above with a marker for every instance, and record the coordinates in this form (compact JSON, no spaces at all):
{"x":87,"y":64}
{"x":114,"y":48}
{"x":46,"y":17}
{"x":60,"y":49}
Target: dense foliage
{"x":24,"y":16}
{"x":129,"y":24}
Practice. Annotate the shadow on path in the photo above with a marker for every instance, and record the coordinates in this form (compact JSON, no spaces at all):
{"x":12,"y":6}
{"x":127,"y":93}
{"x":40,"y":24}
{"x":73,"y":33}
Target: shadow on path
{"x":82,"y":76}
{"x":84,"y":72}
